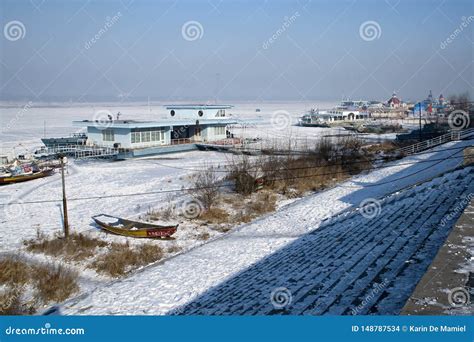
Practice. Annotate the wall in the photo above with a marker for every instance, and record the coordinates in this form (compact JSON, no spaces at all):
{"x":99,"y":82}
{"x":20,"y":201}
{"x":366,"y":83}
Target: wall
{"x":121,"y":136}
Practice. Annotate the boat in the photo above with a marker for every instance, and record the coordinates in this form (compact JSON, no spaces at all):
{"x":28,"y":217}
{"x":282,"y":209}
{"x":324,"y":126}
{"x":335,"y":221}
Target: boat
{"x":9,"y":178}
{"x":131,"y":228}
{"x":312,"y":119}
{"x":76,"y":139}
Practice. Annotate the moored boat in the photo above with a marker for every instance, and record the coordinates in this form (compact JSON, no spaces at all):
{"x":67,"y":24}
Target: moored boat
{"x":8,"y":178}
{"x":131,"y":228}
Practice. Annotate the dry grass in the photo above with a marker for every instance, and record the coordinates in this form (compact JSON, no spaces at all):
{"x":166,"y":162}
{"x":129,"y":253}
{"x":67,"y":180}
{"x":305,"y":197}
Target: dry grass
{"x":12,"y":302}
{"x":54,"y":282}
{"x":263,"y":203}
{"x":173,"y":249}
{"x":165,"y":213}
{"x":51,"y":283}
{"x":215,"y":215}
{"x":76,"y":247}
{"x":121,"y":258}
{"x":203,"y":236}
{"x":14,"y":271}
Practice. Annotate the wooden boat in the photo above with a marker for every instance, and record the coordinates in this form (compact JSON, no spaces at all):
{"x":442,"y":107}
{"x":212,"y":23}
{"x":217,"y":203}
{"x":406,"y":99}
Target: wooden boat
{"x":10,"y":179}
{"x":136,"y":229}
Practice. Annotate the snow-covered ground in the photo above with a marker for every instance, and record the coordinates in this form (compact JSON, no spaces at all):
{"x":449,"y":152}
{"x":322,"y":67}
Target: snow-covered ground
{"x":361,"y":262}
{"x":177,"y":281}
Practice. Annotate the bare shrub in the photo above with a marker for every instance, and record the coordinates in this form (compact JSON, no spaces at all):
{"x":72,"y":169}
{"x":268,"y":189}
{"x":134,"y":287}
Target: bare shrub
{"x":215,"y":215}
{"x":173,"y":249}
{"x":243,"y":173}
{"x":203,"y":236}
{"x":76,"y":247}
{"x":114,"y":263}
{"x":54,"y":282}
{"x":14,"y":271}
{"x":12,"y":303}
{"x":121,"y":258}
{"x":148,"y":253}
{"x":206,"y":184}
{"x":264,"y":202}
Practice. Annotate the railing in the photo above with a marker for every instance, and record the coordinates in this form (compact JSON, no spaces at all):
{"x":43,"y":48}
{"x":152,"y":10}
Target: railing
{"x":80,"y":151}
{"x":442,"y":139}
{"x":181,"y":141}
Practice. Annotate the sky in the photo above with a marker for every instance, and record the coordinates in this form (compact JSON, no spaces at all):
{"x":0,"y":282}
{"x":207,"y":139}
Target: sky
{"x":215,"y":51}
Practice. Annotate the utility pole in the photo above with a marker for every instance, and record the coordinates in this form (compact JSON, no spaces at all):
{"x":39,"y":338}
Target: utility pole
{"x":419,"y":107}
{"x":66,"y":223}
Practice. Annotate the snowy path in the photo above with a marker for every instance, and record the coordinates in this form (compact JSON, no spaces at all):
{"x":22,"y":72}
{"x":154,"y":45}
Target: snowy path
{"x":168,"y":285}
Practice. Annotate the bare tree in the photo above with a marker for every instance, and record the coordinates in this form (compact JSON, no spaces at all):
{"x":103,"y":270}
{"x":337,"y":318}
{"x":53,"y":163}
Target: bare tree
{"x":206,"y":184}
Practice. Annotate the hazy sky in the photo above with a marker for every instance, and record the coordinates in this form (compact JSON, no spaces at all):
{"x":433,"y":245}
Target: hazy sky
{"x":234,"y":50}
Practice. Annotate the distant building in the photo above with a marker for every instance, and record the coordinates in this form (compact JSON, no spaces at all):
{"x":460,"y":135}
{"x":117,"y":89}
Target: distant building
{"x":394,"y":101}
{"x":187,"y":124}
{"x":431,"y":106}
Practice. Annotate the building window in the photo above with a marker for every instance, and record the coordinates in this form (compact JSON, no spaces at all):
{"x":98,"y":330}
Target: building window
{"x":135,"y":137}
{"x":219,"y":130}
{"x":148,"y":135}
{"x":108,"y":135}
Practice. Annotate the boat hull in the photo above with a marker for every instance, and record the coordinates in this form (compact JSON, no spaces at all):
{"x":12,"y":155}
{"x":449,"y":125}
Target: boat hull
{"x":25,"y":178}
{"x":142,"y":230}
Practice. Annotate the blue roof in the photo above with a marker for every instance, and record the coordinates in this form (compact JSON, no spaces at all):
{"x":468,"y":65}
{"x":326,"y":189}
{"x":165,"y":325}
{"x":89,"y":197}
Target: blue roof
{"x":198,"y":106}
{"x":149,"y":124}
